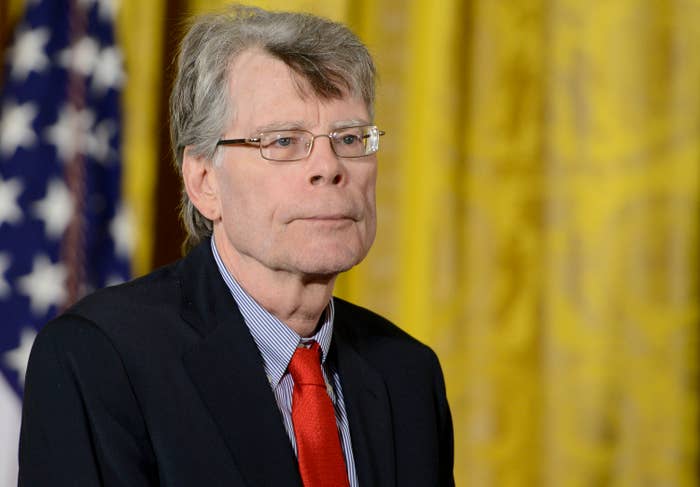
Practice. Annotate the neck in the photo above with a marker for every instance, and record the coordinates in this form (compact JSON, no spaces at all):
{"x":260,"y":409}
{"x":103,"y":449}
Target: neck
{"x":296,"y":300}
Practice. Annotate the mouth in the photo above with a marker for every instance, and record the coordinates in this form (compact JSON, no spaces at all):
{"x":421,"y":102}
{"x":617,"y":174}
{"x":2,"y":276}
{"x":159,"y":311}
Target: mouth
{"x":328,"y":216}
{"x":330,"y":220}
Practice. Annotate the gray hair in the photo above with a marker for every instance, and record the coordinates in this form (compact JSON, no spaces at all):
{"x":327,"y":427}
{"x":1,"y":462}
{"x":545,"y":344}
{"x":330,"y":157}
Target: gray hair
{"x":326,"y":54}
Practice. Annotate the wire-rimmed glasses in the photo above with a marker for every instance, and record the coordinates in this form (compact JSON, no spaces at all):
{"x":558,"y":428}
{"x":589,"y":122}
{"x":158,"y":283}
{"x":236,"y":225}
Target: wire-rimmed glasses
{"x":295,"y":145}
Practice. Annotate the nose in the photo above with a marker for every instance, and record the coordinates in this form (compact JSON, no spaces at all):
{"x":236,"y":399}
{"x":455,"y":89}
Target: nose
{"x":323,"y":165}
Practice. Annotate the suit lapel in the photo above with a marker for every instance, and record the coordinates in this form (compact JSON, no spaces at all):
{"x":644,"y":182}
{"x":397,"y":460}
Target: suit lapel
{"x":228,"y":372}
{"x":369,"y":414}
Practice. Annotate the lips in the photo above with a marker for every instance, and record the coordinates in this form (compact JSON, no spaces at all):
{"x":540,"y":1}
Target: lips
{"x":327,"y":215}
{"x":330,"y":221}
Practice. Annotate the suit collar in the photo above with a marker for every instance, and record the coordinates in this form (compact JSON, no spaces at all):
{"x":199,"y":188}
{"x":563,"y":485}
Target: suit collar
{"x":368,"y":408}
{"x":227,"y":370}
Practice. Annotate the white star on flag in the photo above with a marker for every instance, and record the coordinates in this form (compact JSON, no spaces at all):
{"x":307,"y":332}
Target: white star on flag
{"x":121,"y":229}
{"x":45,"y":285}
{"x":18,"y":358}
{"x":108,"y":72}
{"x":16,"y":127}
{"x":107,"y":9}
{"x":55,"y":209}
{"x":28,"y":53}
{"x":71,"y":132}
{"x":4,"y":265}
{"x":81,"y":56}
{"x":98,"y":143}
{"x":9,"y":192}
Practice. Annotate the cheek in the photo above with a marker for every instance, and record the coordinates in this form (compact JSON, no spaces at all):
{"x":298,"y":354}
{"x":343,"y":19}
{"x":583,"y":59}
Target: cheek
{"x":365,"y":184}
{"x":369,"y":183}
{"x":248,"y":201}
{"x":235,"y":198}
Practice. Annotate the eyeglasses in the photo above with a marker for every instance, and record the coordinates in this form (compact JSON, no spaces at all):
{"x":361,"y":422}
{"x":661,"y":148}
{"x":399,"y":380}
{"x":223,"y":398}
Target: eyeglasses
{"x":295,"y":145}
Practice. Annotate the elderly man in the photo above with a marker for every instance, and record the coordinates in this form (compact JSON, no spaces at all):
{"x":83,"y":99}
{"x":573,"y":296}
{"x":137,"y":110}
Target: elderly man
{"x":235,"y":365}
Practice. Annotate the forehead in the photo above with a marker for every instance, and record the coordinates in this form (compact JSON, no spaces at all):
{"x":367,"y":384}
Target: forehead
{"x":264,"y":90}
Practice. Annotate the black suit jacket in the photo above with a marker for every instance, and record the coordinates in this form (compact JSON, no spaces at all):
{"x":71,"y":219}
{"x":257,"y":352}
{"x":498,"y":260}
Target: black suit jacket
{"x":158,"y":382}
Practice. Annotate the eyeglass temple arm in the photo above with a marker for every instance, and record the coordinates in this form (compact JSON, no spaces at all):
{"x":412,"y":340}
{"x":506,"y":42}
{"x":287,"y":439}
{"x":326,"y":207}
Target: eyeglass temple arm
{"x":237,"y":141}
{"x":379,"y":132}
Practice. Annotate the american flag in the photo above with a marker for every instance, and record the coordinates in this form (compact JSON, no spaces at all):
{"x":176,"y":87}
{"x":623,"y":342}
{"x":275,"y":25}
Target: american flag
{"x":63,"y":229}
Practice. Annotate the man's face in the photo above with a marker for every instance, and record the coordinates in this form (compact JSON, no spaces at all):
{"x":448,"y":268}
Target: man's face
{"x":314,"y":217}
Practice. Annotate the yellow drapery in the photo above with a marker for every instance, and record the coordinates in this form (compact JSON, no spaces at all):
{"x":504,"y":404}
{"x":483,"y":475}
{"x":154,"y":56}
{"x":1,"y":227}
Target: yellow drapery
{"x":538,"y":205}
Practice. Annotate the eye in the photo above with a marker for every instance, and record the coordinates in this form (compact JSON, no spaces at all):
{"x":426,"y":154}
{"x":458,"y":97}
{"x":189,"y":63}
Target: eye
{"x":284,"y":141}
{"x":349,"y":136}
{"x":349,"y":139}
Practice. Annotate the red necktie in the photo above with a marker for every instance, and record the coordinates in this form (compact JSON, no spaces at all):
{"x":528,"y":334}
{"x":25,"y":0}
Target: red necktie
{"x":321,"y":461}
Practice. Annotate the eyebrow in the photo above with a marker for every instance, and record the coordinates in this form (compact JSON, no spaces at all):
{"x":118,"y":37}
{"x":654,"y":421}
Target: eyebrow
{"x":348,"y":123}
{"x":280,"y":125}
{"x":300,"y":125}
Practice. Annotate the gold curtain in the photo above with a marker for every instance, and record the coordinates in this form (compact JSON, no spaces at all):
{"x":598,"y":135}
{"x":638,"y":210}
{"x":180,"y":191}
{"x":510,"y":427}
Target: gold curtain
{"x":538,"y":221}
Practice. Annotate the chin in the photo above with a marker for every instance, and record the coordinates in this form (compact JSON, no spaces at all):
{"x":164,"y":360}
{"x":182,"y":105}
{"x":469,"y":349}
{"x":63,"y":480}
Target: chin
{"x":328,"y":263}
{"x":326,"y":268}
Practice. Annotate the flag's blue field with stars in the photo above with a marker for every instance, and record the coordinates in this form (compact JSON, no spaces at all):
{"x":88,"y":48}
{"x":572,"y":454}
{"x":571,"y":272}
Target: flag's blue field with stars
{"x":63,"y":229}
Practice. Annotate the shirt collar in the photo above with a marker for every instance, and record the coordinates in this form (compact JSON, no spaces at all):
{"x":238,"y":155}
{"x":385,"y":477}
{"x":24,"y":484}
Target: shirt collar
{"x":275,"y":340}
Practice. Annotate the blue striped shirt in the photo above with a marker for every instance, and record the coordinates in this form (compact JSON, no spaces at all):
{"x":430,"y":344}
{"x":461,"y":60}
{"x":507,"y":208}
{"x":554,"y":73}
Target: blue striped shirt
{"x":277,"y":342}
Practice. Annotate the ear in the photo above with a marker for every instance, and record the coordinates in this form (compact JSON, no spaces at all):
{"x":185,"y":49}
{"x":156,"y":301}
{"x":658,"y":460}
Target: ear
{"x":200,"y":183}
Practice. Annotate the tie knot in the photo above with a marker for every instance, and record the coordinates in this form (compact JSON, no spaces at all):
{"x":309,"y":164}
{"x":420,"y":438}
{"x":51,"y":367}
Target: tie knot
{"x":305,"y":366}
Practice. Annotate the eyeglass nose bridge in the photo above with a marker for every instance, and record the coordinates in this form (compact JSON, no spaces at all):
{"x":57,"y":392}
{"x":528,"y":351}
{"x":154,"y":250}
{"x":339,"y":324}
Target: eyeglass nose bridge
{"x":310,"y":143}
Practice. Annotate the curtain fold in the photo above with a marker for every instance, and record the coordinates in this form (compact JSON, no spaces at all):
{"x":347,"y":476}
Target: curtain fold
{"x":140,"y":31}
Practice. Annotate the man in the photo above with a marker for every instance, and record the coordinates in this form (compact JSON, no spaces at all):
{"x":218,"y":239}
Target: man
{"x":236,"y":366}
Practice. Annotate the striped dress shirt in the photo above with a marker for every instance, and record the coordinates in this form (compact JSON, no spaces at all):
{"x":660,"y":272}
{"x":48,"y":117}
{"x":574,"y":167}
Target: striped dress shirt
{"x":277,"y":342}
